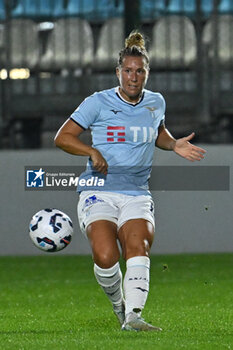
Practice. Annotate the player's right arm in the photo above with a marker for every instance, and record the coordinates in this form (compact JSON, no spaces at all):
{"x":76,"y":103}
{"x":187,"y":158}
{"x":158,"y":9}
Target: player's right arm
{"x":67,"y":138}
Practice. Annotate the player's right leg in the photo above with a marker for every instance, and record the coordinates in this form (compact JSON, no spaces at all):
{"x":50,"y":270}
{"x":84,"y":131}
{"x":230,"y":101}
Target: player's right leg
{"x":97,"y":218}
{"x":102,"y":235}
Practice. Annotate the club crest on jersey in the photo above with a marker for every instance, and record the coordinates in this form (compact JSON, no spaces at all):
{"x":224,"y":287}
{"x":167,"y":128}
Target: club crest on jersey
{"x":151,"y":109}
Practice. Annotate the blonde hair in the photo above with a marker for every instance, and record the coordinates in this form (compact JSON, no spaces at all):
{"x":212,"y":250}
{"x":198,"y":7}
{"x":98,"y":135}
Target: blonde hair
{"x":134,"y":46}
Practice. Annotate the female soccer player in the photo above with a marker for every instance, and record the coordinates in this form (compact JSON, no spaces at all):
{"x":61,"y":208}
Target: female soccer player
{"x":126,"y":123}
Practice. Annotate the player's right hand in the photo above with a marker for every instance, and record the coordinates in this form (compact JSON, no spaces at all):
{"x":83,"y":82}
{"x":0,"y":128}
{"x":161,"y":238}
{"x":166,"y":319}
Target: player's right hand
{"x":99,"y":162}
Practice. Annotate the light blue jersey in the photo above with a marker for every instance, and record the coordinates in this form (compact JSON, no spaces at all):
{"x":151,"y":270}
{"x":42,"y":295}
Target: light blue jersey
{"x":125,"y":134}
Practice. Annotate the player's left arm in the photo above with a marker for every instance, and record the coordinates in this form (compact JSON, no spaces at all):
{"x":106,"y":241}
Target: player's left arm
{"x":181,"y":146}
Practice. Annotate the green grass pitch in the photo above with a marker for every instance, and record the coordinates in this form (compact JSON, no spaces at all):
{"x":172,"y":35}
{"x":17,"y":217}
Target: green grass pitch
{"x":54,"y":302}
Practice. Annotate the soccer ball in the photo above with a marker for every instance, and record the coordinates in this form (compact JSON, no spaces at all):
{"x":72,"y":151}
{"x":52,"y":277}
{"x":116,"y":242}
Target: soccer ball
{"x":51,"y":230}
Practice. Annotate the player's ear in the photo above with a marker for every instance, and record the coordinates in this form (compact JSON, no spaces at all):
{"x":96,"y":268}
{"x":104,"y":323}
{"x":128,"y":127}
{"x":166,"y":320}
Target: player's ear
{"x":118,"y":72}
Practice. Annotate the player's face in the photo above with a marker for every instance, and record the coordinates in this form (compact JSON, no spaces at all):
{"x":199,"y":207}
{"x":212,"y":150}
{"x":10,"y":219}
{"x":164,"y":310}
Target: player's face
{"x":132,"y":76}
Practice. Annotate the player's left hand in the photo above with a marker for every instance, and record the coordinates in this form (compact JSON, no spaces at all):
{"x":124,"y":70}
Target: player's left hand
{"x":188,"y":151}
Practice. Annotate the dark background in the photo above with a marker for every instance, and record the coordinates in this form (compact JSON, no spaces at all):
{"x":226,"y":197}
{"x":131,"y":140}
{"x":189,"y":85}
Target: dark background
{"x":67,"y":49}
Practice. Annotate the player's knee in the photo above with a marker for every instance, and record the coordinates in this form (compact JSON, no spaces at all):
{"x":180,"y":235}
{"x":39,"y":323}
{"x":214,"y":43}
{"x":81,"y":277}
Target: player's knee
{"x":105,"y":259}
{"x":136,"y":248}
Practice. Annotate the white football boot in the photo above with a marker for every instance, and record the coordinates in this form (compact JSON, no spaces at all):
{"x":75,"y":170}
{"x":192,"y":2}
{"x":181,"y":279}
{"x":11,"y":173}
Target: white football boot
{"x":133,"y":322}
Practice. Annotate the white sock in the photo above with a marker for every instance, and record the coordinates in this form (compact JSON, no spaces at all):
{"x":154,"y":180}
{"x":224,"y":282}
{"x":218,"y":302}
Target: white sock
{"x":111,"y":282}
{"x":136,"y":283}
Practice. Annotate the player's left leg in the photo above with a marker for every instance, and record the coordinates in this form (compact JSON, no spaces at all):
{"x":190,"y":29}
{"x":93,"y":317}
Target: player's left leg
{"x":136,"y":237}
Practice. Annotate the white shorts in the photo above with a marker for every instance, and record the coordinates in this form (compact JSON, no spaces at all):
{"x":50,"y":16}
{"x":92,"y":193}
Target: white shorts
{"x":115,"y":207}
